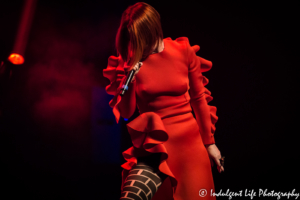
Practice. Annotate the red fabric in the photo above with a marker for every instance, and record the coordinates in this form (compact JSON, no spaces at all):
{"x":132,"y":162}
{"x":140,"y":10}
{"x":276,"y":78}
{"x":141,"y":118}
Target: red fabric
{"x":168,"y":86}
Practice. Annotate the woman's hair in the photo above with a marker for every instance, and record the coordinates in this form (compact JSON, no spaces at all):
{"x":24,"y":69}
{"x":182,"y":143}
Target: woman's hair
{"x":139,"y":32}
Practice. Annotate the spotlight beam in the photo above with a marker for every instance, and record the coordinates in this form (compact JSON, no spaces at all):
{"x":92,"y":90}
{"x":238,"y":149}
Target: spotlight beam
{"x":17,"y":56}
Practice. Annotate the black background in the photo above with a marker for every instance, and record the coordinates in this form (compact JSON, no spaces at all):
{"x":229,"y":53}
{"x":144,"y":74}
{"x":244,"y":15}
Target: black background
{"x":253,"y":47}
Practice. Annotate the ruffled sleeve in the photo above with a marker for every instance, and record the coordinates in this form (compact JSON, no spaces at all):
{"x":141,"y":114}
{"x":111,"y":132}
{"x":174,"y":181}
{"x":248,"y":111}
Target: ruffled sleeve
{"x":116,"y":75}
{"x":200,"y":96}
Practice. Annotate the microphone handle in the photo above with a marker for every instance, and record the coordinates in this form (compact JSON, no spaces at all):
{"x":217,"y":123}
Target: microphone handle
{"x":128,"y":80}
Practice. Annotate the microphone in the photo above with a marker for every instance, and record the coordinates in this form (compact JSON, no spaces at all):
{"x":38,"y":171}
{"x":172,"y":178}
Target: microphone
{"x":128,"y":79}
{"x":124,"y":87}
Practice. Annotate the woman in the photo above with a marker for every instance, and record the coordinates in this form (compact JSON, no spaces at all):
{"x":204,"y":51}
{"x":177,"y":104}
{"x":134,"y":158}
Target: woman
{"x":171,"y":149}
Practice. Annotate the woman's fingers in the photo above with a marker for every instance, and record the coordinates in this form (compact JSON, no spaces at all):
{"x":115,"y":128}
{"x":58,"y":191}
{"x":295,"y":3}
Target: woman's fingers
{"x":220,"y":169}
{"x":136,"y":67}
{"x":219,"y":166}
{"x":215,"y":155}
{"x":218,"y":163}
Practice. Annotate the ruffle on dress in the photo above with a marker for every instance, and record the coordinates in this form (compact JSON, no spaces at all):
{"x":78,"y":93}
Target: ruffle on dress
{"x":205,"y":66}
{"x":148,"y":133}
{"x":116,"y":75}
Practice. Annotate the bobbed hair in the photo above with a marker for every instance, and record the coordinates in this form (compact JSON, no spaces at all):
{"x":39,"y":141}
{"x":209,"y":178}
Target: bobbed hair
{"x":139,"y":32}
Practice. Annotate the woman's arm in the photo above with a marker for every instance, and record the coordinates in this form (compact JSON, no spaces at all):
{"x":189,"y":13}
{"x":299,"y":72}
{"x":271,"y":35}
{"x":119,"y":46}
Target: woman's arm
{"x":127,"y":104}
{"x":122,"y":106}
{"x":205,"y":114}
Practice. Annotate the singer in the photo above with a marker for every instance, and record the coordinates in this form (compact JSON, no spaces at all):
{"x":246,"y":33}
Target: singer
{"x":172,"y":151}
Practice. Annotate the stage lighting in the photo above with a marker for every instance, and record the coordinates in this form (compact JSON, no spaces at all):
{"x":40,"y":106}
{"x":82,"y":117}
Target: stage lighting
{"x":16,"y":59}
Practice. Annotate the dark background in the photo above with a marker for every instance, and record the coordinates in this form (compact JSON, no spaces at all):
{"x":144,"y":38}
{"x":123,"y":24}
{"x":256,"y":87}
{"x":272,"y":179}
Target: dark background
{"x":47,"y":139}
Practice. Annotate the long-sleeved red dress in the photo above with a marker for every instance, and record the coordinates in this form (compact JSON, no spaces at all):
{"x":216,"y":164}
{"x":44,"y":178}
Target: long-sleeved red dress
{"x":168,"y":86}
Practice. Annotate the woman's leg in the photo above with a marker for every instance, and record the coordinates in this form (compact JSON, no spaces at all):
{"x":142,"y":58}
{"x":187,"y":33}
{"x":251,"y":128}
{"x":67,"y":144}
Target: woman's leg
{"x":143,"y":180}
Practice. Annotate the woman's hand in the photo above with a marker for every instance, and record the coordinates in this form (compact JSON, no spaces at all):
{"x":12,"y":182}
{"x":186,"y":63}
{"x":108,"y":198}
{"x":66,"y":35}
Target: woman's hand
{"x":215,"y":155}
{"x":136,"y":67}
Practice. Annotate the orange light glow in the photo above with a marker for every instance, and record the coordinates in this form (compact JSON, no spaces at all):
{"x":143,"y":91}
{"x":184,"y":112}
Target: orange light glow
{"x":16,"y":59}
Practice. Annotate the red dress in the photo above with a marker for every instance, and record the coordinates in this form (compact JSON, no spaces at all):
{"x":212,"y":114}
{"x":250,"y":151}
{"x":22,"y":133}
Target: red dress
{"x":168,"y":86}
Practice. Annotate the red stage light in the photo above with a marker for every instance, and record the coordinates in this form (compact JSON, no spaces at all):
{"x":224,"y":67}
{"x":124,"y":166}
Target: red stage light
{"x":16,"y":59}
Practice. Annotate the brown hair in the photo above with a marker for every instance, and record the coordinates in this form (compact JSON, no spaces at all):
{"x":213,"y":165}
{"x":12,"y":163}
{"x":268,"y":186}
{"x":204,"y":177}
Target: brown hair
{"x":139,"y":32}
